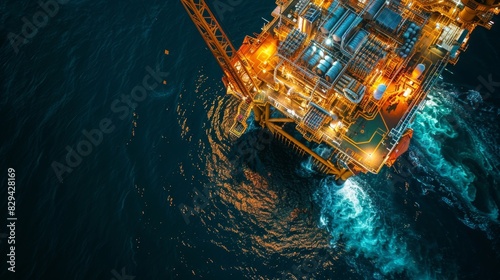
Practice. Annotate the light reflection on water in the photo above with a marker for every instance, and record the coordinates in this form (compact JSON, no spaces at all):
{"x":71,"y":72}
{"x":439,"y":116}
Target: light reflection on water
{"x":275,"y":216}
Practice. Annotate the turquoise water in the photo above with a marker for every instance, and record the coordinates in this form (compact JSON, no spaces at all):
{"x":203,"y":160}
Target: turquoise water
{"x":165,"y":193}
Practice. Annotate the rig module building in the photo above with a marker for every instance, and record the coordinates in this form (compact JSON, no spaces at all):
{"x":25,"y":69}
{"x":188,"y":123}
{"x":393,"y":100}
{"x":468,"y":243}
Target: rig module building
{"x":350,"y":75}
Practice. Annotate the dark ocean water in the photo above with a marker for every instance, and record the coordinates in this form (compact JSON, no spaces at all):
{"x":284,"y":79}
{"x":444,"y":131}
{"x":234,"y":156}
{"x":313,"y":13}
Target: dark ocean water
{"x":259,"y":211}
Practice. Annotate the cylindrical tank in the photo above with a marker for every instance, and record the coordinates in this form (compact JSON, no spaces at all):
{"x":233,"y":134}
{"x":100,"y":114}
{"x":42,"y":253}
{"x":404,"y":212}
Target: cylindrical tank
{"x":327,"y":27}
{"x":257,"y":114}
{"x":326,"y":63}
{"x":337,"y":36}
{"x":307,"y":54}
{"x":333,"y":72}
{"x":332,"y":6}
{"x":314,"y":60}
{"x":379,"y":92}
{"x":467,"y":14}
{"x":373,"y":8}
{"x":321,"y":69}
{"x":417,"y":71}
{"x":329,"y":59}
{"x":356,"y":41}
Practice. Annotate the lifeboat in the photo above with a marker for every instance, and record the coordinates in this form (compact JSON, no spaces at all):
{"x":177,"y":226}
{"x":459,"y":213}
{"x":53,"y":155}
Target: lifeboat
{"x":400,"y":148}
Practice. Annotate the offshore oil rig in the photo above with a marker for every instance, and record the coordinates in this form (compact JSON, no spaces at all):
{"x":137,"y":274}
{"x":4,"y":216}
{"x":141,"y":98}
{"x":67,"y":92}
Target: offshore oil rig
{"x":348,"y":74}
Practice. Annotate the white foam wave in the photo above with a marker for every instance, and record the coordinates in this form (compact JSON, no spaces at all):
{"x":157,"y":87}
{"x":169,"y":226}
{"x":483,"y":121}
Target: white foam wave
{"x":307,"y":166}
{"x":352,"y":218}
{"x":442,"y":126}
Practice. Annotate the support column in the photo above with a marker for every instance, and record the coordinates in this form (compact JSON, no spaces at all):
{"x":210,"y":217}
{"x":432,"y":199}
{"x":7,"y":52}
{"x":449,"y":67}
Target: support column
{"x":344,"y":175}
{"x":258,"y":115}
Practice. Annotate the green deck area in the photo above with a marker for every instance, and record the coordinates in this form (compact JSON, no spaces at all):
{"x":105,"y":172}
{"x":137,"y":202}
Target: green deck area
{"x":366,"y":135}
{"x":364,"y":140}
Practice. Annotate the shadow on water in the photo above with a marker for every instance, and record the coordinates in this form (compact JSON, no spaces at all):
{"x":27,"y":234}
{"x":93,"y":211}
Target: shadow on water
{"x":259,"y":152}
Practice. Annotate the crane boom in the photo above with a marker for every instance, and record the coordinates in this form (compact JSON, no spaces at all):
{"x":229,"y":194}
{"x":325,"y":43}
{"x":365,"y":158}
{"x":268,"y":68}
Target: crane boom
{"x":235,"y":69}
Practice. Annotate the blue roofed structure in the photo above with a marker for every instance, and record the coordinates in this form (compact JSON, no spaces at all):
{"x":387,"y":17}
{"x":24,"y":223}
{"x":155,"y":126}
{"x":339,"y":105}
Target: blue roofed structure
{"x":388,"y":19}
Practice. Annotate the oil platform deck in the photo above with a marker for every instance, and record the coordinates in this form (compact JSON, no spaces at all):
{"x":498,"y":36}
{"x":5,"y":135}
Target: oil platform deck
{"x":348,"y":75}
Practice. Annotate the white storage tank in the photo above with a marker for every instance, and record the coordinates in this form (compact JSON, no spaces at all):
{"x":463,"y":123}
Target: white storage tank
{"x":379,"y":91}
{"x":417,"y":71}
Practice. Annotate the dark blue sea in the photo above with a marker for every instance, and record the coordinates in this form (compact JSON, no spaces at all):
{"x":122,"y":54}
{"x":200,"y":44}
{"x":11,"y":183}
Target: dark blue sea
{"x":124,"y":168}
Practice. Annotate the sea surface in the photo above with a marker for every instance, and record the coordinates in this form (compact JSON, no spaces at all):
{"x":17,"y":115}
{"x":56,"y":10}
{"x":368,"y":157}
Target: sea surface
{"x":161,"y":191}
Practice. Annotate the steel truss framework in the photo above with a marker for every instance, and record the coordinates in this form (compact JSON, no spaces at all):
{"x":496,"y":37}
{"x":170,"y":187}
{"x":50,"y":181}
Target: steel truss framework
{"x":242,"y":83}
